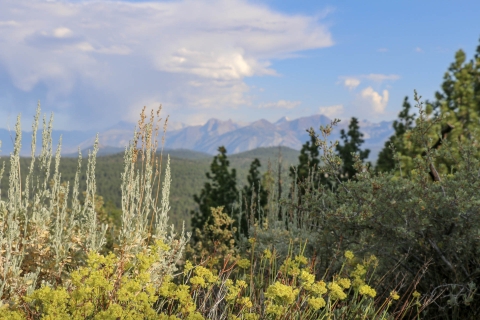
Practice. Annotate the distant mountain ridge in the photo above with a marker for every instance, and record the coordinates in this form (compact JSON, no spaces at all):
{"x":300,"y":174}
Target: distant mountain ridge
{"x":207,"y":138}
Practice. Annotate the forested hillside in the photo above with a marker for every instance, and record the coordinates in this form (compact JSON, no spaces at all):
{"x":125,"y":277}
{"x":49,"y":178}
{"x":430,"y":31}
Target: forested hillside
{"x":188,"y":174}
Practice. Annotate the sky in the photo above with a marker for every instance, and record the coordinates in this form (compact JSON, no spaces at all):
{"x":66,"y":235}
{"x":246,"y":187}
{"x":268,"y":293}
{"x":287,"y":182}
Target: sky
{"x":95,"y":63}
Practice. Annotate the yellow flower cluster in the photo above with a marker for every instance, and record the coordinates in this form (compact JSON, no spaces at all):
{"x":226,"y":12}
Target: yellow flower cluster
{"x":180,"y":293}
{"x":349,"y":255}
{"x":188,"y":266}
{"x":316,"y":303}
{"x":243,"y":263}
{"x":275,"y":309}
{"x":319,"y":288}
{"x":267,"y":254}
{"x":293,"y":288}
{"x":246,"y":302}
{"x":203,"y":277}
{"x":336,"y":291}
{"x":234,"y":290}
{"x":344,"y":283}
{"x":301,"y":259}
{"x":394,"y":295}
{"x":358,"y":275}
{"x":282,"y":293}
{"x":292,"y":267}
{"x":307,"y":279}
{"x":366,"y":290}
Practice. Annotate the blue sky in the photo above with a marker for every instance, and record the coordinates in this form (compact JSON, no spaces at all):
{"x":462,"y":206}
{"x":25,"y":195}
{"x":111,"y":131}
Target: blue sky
{"x":95,"y":63}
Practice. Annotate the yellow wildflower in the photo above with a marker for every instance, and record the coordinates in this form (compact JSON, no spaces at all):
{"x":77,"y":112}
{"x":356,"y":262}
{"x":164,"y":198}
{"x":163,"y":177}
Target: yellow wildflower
{"x":267,"y":253}
{"x":349,"y":255}
{"x":160,"y":244}
{"x":244,"y":263}
{"x":188,"y":267}
{"x":205,"y":274}
{"x":367,"y":290}
{"x":251,"y":316}
{"x":319,"y":288}
{"x":195,"y":316}
{"x":416,"y":294}
{"x":234,"y":290}
{"x":394,"y":295}
{"x":282,"y":292}
{"x":275,"y":309}
{"x":358,"y":275}
{"x":245,"y":301}
{"x":316,"y":303}
{"x":307,"y":278}
{"x":336,"y":292}
{"x":344,"y":283}
{"x":295,"y":271}
{"x":301,"y":259}
{"x":196,"y":280}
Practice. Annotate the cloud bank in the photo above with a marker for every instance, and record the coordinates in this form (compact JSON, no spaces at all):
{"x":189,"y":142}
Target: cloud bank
{"x":331,"y":111}
{"x":368,"y":102}
{"x":372,"y":98}
{"x":98,"y":62}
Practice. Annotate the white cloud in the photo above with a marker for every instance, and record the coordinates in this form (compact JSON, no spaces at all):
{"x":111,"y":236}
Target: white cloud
{"x":381,"y":77}
{"x":351,"y":83}
{"x":9,"y":23}
{"x":62,"y":32}
{"x":118,"y":53}
{"x":419,"y":50}
{"x":281,"y":104}
{"x":331,"y":111}
{"x":376,"y":102}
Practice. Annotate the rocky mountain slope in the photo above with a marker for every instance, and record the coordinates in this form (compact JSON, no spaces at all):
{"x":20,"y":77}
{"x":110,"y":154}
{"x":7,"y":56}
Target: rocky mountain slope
{"x":207,"y":138}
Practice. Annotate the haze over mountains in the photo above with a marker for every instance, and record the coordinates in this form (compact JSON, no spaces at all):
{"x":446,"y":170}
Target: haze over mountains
{"x":207,"y":138}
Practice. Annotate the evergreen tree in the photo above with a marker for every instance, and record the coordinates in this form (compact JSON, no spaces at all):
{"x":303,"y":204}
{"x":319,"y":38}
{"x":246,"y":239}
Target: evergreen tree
{"x":458,"y":104}
{"x":459,"y":101}
{"x":221,"y":190}
{"x":254,"y":197}
{"x":405,"y":122}
{"x":308,"y":162}
{"x":352,"y":140}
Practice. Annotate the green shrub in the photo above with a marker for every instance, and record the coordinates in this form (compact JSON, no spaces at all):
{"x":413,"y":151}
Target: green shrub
{"x":54,"y":261}
{"x":426,"y":233}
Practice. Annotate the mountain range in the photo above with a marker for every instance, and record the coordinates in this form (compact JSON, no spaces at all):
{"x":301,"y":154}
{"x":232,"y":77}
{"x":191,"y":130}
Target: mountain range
{"x":236,"y":137}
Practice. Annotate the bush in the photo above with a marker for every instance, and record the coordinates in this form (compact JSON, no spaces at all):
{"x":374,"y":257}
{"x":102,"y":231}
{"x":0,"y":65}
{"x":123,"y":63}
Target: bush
{"x":426,"y":231}
{"x":55,"y":264}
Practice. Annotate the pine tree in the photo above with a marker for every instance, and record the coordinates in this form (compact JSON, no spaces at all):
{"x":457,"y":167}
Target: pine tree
{"x":308,"y":162}
{"x":405,"y":122}
{"x":220,"y":190}
{"x":352,"y":140}
{"x":458,"y":104}
{"x":254,"y":197}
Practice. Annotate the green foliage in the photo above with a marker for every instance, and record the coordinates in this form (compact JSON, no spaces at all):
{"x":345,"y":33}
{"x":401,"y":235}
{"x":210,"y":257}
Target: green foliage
{"x":396,"y":143}
{"x":308,"y":162}
{"x":352,"y":140}
{"x":254,"y":198}
{"x":453,"y":120}
{"x":46,"y":234}
{"x":221,"y":190}
{"x":215,"y":241}
{"x":416,"y":227}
